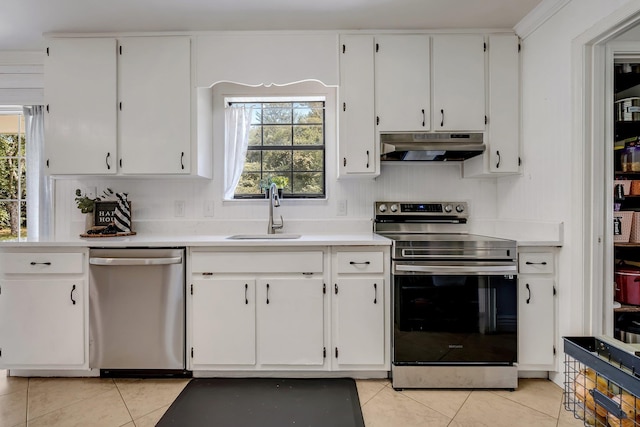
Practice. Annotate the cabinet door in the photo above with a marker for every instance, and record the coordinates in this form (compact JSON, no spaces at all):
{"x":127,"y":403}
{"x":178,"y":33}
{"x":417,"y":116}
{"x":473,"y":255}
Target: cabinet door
{"x":80,"y":93}
{"x":357,"y":134}
{"x":42,"y":323}
{"x":290,"y":321}
{"x":223,"y":322}
{"x":458,"y":82}
{"x":402,"y":82}
{"x":503,"y":138}
{"x":155,"y":105}
{"x":536,"y":314}
{"x":359,"y":321}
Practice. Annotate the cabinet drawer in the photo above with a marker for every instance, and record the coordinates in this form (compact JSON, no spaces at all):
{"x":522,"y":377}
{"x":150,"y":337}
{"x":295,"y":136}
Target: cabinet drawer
{"x":359,"y":262}
{"x":41,"y":263}
{"x":540,"y":262}
{"x":257,"y":262}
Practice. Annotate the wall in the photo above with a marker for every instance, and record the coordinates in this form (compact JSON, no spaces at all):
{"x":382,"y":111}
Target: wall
{"x":545,"y":189}
{"x":153,"y":199}
{"x":21,"y":78}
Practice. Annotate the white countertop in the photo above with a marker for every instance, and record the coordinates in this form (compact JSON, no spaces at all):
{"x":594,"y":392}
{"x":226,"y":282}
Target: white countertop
{"x":140,"y":240}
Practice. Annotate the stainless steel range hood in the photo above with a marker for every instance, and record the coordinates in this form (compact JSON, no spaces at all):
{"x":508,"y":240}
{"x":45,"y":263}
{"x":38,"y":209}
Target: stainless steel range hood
{"x":430,"y":146}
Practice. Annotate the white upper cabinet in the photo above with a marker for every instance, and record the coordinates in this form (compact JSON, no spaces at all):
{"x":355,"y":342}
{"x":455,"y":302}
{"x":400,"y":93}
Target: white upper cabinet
{"x":402,"y":83}
{"x":458,"y":82}
{"x":154,"y":75}
{"x":122,"y":106}
{"x":80,"y":97}
{"x":503,"y":129}
{"x":358,"y":154}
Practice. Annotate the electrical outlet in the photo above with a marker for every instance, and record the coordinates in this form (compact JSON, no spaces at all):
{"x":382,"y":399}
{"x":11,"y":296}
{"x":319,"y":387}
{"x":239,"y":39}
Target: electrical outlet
{"x":178,"y":208}
{"x":208,"y":208}
{"x":342,"y":207}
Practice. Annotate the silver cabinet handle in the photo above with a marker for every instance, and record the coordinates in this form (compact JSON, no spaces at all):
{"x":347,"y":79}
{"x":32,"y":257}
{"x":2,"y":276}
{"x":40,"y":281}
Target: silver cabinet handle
{"x":528,"y":290}
{"x":43,"y":263}
{"x":458,"y":269}
{"x":135,"y":261}
{"x":73,"y":289}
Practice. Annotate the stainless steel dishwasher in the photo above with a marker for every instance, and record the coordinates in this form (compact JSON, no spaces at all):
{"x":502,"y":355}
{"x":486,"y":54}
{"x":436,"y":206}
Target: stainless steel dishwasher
{"x":137,"y":311}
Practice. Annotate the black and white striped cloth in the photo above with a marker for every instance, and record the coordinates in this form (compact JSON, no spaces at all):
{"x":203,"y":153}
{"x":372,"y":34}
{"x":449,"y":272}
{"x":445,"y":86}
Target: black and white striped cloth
{"x":122,"y":217}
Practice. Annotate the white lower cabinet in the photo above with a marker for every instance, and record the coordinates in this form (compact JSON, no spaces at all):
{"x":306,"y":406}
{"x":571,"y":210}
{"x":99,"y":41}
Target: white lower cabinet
{"x":257,"y":310}
{"x":290,"y":313}
{"x":276,"y":310}
{"x":536,"y":309}
{"x":359,"y":332}
{"x":224,"y":321}
{"x":43,"y":310}
{"x":360,"y":308}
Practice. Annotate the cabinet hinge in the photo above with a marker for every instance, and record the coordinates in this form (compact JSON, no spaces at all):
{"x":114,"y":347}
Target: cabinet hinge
{"x":377,"y":120}
{"x":554,"y":290}
{"x":484,"y":46}
{"x":47,"y":51}
{"x":344,"y":48}
{"x":377,"y":47}
{"x":324,"y":288}
{"x":336,"y":352}
{"x":192,"y":289}
{"x":335,"y":288}
{"x":192,"y":352}
{"x":324,"y":352}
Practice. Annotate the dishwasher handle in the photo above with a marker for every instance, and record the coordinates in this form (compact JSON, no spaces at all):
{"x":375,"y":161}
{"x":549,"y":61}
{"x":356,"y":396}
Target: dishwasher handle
{"x":134,"y":261}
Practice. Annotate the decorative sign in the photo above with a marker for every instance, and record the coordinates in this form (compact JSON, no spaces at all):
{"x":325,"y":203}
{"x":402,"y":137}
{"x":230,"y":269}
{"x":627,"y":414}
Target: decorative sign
{"x":104,"y":212}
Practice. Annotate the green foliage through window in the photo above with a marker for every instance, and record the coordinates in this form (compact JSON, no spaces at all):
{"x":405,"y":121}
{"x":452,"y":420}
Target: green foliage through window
{"x":286,"y":146}
{"x":13,"y":185}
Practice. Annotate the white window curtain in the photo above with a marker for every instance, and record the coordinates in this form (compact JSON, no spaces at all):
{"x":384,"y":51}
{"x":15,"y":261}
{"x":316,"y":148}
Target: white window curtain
{"x":39,"y":209}
{"x":237,"y":126}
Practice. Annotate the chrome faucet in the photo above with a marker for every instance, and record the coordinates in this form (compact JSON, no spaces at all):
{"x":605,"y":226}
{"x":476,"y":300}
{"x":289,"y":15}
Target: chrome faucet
{"x":274,"y":201}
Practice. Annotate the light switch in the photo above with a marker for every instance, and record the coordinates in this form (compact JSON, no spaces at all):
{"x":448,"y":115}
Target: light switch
{"x":178,"y":208}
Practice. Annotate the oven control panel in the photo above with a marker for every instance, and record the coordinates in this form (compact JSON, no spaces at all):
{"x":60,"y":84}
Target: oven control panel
{"x":455,"y":209}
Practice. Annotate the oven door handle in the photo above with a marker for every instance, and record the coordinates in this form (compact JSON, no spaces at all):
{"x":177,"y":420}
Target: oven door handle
{"x":448,"y":269}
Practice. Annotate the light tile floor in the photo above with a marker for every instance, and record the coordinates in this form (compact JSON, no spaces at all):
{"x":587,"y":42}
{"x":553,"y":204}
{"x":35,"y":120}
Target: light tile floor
{"x":94,"y":402}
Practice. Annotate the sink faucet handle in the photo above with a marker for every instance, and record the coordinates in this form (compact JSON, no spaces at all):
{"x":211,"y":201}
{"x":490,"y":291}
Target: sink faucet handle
{"x":278,"y":226}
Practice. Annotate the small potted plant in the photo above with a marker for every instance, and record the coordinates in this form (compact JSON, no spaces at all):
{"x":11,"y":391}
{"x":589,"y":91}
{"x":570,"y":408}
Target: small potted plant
{"x":280,"y":181}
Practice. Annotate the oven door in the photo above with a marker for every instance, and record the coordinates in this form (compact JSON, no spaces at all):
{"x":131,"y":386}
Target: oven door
{"x":455,"y":315}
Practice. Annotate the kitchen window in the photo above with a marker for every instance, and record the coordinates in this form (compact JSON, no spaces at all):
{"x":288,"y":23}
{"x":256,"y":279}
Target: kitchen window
{"x":283,"y":141}
{"x":13,"y":174}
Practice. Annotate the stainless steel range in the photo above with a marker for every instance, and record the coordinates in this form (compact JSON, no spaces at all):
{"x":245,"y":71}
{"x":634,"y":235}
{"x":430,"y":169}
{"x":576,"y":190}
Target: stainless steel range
{"x":454,"y":298}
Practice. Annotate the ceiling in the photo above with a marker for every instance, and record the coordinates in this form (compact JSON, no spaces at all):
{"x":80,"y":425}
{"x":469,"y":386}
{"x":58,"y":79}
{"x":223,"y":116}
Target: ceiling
{"x":23,"y":22}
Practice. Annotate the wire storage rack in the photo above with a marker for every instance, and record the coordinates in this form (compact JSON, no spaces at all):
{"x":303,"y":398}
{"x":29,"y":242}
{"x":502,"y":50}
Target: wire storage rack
{"x":601,"y":382}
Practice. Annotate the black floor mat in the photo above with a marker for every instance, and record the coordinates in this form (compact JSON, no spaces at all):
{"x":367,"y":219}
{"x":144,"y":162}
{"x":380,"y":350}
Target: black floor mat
{"x":266,"y":402}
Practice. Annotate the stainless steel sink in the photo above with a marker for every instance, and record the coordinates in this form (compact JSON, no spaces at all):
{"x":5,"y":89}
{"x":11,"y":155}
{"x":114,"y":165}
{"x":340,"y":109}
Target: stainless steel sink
{"x":263,"y":236}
